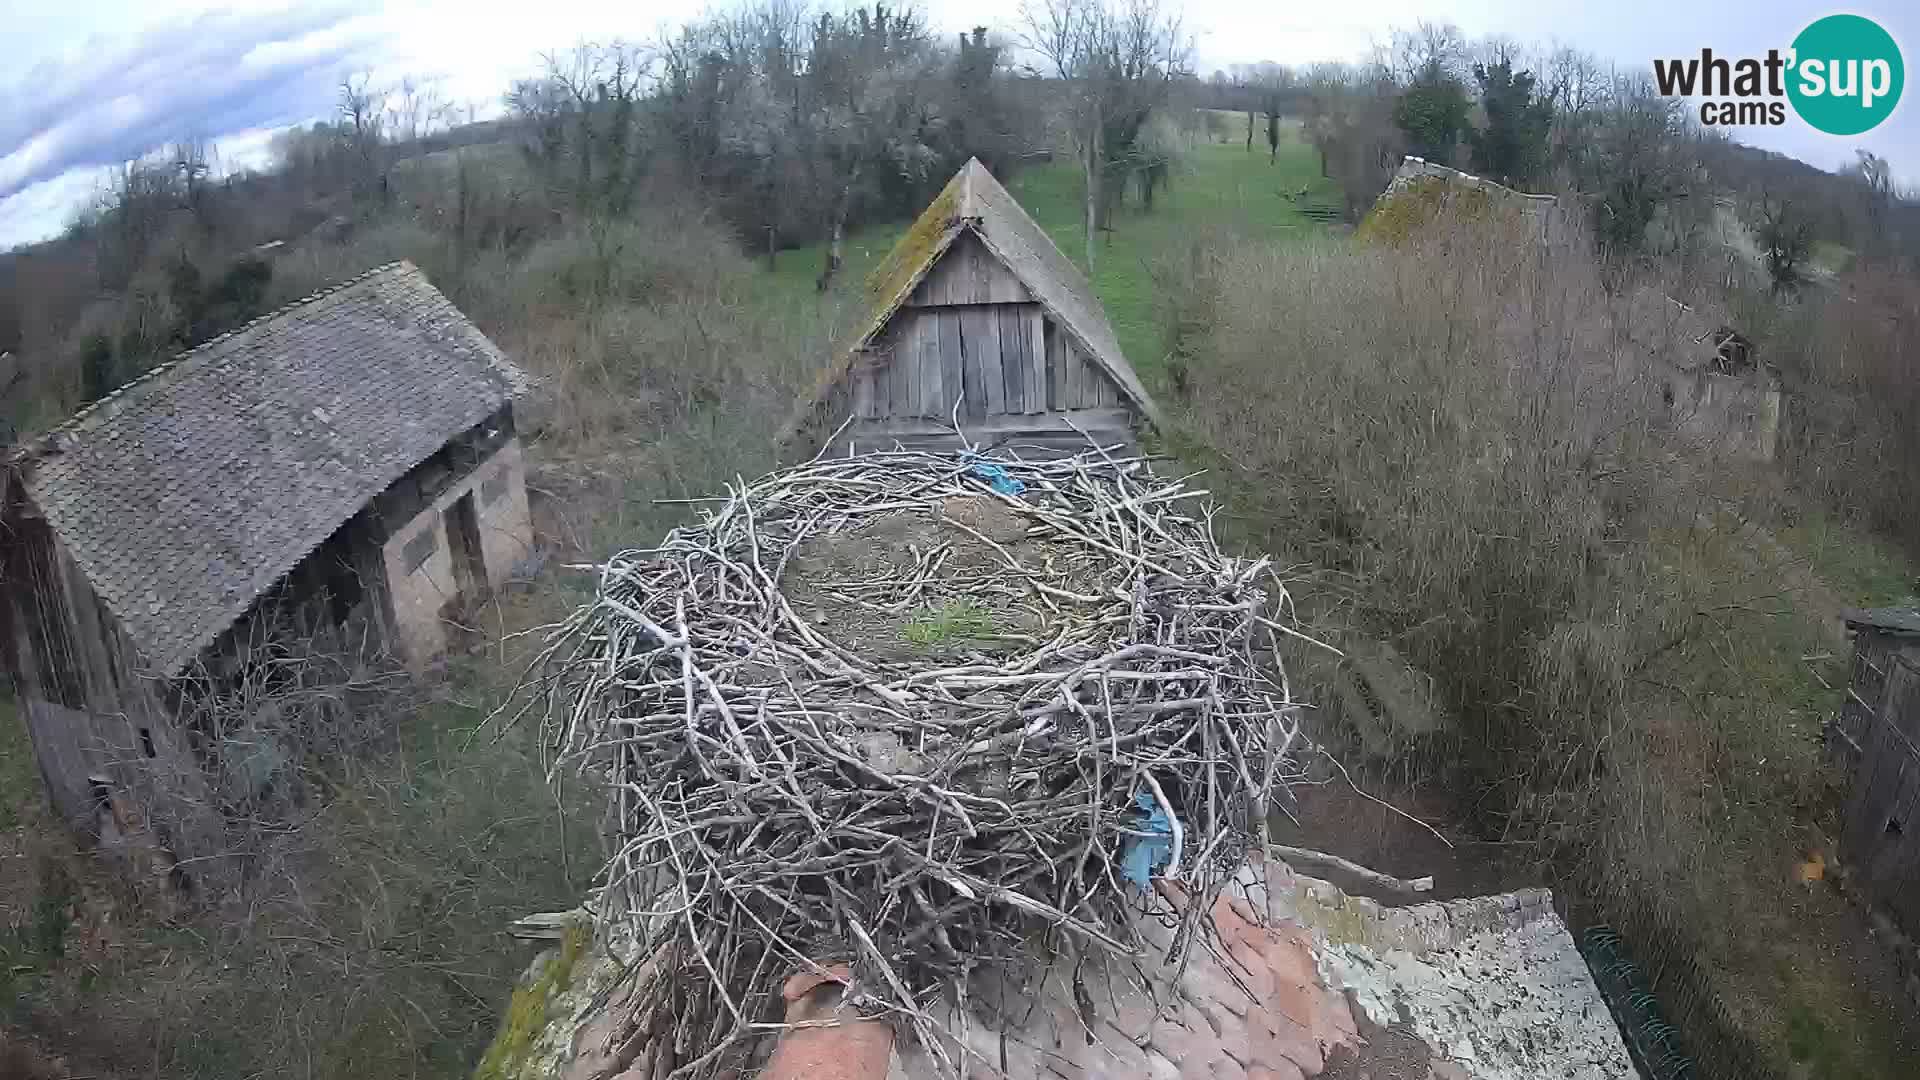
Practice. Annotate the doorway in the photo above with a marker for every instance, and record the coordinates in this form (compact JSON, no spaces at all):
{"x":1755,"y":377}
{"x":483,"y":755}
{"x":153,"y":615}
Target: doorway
{"x":463,"y":545}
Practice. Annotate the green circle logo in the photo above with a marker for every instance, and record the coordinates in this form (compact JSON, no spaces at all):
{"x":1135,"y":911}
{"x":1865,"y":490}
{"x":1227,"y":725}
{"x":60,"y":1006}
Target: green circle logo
{"x":1846,"y":75}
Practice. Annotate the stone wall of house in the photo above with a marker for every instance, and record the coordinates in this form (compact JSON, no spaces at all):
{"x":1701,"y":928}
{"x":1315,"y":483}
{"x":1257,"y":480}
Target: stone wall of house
{"x":506,"y":521}
{"x":418,"y":558}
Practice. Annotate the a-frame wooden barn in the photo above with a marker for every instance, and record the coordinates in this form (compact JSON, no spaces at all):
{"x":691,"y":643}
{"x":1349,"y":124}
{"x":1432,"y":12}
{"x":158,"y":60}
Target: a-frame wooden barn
{"x":979,"y":320}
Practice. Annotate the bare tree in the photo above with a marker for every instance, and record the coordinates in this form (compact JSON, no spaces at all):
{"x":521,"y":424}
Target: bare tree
{"x":1427,"y":49}
{"x":1785,"y":235}
{"x":1117,"y":64}
{"x":589,"y":99}
{"x":362,"y":110}
{"x":1269,"y":85}
{"x":195,"y":166}
{"x":415,"y":109}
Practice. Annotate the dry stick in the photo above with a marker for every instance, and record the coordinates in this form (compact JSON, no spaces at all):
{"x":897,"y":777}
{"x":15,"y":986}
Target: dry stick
{"x":1383,"y":802}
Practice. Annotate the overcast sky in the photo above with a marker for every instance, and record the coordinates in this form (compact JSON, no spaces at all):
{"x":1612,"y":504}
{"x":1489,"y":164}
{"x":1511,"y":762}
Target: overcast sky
{"x":91,"y":83}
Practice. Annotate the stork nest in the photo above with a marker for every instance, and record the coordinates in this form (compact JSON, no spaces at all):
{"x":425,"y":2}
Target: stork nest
{"x":890,"y":712}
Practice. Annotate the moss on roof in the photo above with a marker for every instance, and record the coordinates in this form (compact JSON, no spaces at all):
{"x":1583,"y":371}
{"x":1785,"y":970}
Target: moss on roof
{"x":887,"y":283}
{"x":899,"y":270}
{"x":1399,"y":215}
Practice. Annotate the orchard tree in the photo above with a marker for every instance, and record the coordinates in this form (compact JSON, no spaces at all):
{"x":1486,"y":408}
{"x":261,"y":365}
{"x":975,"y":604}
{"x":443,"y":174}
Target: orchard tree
{"x":1512,"y":147}
{"x":1118,"y":64}
{"x":1432,"y":113}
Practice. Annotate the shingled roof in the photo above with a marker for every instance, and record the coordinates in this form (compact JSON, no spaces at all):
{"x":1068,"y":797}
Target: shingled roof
{"x":188,"y":493}
{"x":974,"y":201}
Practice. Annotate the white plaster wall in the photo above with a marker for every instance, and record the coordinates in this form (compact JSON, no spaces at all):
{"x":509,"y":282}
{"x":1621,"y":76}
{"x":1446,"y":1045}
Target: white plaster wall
{"x":506,"y":526}
{"x":417,"y":595}
{"x":506,"y":538}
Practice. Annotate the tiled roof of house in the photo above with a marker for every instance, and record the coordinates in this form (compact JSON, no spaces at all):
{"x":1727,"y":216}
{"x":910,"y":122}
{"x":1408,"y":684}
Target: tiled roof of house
{"x":1894,"y":620}
{"x":186,"y":494}
{"x":1296,"y":980}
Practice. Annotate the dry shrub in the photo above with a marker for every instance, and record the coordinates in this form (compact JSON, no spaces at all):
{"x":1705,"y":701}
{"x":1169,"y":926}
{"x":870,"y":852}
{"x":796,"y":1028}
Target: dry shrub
{"x":638,"y":326}
{"x":1457,"y":432}
{"x":1469,"y":444}
{"x":1853,"y":432}
{"x":366,"y":940}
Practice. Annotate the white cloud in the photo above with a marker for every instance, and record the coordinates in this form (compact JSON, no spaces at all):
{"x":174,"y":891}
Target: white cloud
{"x":39,"y":212}
{"x":105,"y":80}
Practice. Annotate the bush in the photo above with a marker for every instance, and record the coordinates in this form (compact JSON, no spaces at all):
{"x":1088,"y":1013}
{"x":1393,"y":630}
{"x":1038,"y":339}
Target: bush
{"x":1852,"y":373}
{"x":1465,"y":443}
{"x":1455,"y":431}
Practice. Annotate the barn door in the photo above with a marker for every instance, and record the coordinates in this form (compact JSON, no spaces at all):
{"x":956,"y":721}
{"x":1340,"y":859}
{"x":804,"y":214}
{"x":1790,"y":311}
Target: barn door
{"x":1883,"y":813}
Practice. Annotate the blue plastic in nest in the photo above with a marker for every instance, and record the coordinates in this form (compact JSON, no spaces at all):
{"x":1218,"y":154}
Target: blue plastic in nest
{"x":997,"y":478}
{"x":1142,"y":855}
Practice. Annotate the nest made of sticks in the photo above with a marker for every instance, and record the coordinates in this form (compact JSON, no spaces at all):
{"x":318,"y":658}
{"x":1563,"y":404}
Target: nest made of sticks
{"x":906,"y":711}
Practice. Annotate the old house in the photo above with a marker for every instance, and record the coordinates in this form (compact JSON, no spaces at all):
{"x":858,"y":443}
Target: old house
{"x":978,"y":320}
{"x":347,"y":460}
{"x":1876,"y":741}
{"x":1717,"y":390}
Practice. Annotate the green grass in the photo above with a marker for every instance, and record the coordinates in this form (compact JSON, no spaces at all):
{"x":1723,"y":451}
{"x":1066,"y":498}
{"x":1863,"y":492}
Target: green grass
{"x":951,"y":622}
{"x":1218,"y":187}
{"x":1832,"y":257}
{"x":1863,"y":569}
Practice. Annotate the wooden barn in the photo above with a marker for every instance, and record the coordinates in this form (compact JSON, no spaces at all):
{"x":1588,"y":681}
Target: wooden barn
{"x":1877,"y":742}
{"x":978,"y":320}
{"x":347,"y":461}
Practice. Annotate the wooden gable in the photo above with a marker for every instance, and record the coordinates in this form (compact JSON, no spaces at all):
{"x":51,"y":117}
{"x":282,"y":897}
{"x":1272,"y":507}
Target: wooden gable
{"x":968,"y":273}
{"x":973,"y":336}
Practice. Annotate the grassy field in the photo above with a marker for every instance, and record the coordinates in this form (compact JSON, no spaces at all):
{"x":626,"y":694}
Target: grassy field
{"x":1217,"y":188}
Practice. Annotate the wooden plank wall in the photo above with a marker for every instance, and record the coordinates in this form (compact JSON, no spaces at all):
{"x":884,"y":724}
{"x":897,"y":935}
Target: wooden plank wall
{"x":971,"y":335}
{"x":969,"y":274}
{"x":1882,"y":823}
{"x":92,"y":711}
{"x":994,"y":359}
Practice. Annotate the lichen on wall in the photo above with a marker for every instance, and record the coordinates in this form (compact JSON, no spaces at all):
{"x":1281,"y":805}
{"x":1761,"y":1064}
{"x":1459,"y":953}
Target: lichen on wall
{"x":1512,"y":1004}
{"x":515,"y":1052}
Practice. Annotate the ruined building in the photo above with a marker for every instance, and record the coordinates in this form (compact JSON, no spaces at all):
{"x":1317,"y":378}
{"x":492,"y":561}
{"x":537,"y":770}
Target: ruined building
{"x":347,"y":461}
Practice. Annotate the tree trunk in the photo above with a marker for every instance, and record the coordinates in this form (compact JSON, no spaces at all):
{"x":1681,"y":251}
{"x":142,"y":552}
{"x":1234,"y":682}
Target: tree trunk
{"x":836,"y":236}
{"x":1093,"y":188}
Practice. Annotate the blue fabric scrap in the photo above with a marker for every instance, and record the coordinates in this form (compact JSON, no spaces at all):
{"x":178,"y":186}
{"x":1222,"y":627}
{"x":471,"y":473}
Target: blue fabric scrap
{"x":997,"y":478}
{"x":1142,"y":855}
